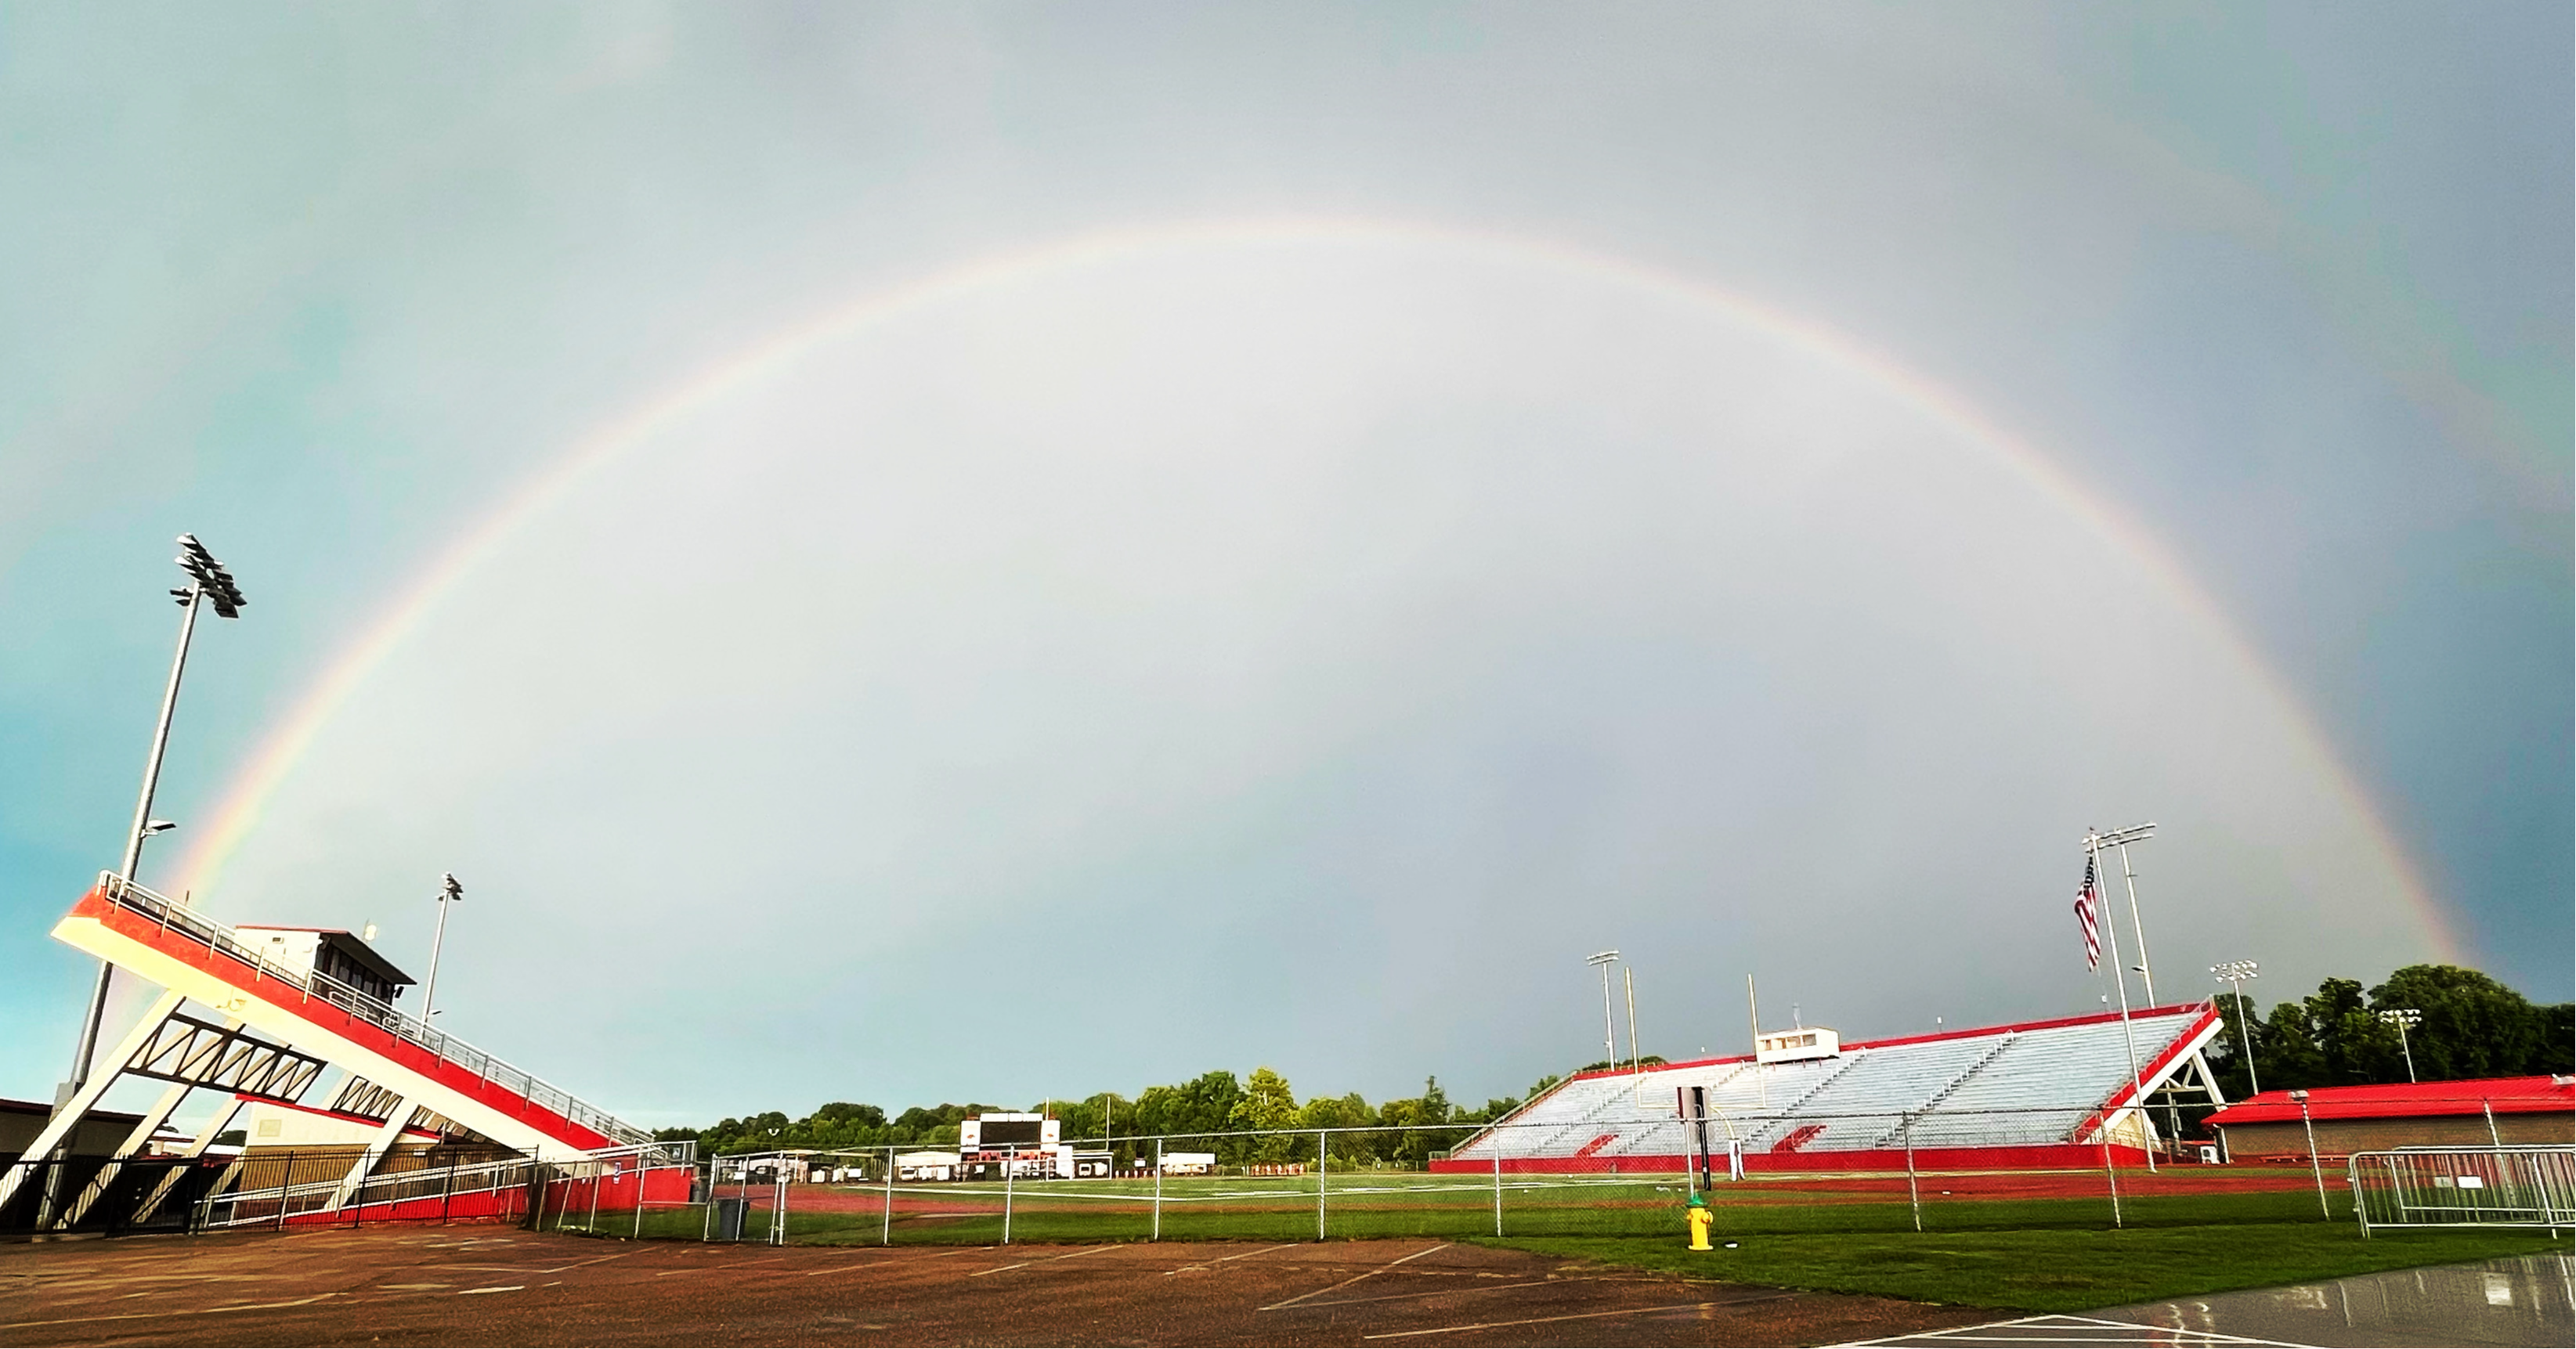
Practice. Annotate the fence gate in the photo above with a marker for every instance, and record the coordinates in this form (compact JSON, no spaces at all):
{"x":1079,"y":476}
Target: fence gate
{"x":2464,"y":1187}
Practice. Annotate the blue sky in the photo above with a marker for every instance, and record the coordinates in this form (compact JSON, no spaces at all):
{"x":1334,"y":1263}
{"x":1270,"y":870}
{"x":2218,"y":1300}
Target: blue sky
{"x":1301,"y":632}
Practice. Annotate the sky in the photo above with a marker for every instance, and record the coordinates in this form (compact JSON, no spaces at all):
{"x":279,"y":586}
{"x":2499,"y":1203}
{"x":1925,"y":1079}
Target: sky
{"x":915,"y":553}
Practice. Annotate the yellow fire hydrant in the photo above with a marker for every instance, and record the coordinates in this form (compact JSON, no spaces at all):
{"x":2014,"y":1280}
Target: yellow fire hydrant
{"x":1700,"y":1218}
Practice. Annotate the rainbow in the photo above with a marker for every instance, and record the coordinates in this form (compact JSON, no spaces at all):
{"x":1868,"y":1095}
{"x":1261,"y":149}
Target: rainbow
{"x":248,"y":792}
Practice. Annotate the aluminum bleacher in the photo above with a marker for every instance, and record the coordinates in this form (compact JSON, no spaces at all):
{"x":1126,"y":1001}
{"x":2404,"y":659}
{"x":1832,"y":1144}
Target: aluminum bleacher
{"x":2031,"y":1094}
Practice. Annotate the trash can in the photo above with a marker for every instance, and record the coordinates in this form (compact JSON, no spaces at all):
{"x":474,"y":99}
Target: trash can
{"x":729,"y":1213}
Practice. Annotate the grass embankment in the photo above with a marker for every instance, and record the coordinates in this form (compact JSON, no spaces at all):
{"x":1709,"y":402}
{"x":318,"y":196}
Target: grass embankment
{"x":2054,"y":1270}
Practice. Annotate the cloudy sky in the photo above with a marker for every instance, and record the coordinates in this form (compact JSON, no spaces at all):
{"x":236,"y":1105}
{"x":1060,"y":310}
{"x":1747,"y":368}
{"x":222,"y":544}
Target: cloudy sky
{"x":924,"y":553}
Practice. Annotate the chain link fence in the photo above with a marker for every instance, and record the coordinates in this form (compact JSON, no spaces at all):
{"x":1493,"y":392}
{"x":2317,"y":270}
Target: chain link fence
{"x":1592,"y":1177}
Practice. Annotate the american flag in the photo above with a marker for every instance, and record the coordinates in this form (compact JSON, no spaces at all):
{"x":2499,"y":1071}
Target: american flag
{"x":2086,"y":902}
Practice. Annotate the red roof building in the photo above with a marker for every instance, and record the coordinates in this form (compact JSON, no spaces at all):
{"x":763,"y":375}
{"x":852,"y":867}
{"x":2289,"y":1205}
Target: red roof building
{"x":2472,"y":1112}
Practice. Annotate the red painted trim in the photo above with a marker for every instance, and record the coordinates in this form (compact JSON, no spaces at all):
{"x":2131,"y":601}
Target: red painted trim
{"x":2035,"y":1157}
{"x":330,"y":1016}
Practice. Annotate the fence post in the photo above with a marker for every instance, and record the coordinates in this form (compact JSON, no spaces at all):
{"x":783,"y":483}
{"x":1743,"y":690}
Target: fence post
{"x":1158,"y":1189}
{"x":886,"y":1238}
{"x":1913,"y":1192}
{"x":1320,"y":1139}
{"x":2112,"y":1174}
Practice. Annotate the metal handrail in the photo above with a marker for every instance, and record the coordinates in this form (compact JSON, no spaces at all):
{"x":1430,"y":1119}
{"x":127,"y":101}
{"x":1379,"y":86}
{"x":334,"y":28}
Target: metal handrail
{"x":219,"y":938}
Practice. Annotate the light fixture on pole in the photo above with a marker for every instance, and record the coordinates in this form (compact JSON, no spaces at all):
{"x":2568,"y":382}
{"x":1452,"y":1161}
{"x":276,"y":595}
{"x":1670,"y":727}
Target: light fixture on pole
{"x":209,"y":583}
{"x":2404,"y":1019}
{"x":2234,"y":973}
{"x":449,"y":892}
{"x":2121,"y":839}
{"x":2093,"y":845}
{"x":1609,"y":1033}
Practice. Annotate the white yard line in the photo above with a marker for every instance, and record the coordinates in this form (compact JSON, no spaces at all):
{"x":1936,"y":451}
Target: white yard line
{"x":1357,"y":1277}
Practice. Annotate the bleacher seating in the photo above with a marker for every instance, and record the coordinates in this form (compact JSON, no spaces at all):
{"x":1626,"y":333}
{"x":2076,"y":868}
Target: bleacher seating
{"x":2006,"y":1086}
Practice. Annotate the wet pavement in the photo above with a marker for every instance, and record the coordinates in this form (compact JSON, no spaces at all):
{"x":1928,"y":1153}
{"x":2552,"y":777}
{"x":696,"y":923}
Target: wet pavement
{"x":2527,"y":1300}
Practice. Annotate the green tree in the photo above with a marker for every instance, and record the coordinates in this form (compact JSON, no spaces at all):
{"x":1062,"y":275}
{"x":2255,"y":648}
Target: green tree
{"x":2473,"y":1026}
{"x":1267,"y":1103}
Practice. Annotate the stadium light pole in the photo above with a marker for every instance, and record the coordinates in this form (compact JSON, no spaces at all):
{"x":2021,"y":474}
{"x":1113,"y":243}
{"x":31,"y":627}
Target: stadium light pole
{"x":2234,"y":973}
{"x":208,"y":583}
{"x":1609,"y":1035}
{"x":2093,"y":845}
{"x":2121,"y":839}
{"x":2404,"y":1019}
{"x":449,"y":892}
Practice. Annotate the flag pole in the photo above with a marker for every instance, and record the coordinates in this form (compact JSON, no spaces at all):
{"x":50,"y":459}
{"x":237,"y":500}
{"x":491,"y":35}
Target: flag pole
{"x":2119,"y":975}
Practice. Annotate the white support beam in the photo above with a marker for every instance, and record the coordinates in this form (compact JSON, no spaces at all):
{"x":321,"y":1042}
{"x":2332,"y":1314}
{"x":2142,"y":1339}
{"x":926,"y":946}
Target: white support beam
{"x":387,"y":1134}
{"x":67,"y":1116}
{"x":135,"y":1139}
{"x":196,"y":1148}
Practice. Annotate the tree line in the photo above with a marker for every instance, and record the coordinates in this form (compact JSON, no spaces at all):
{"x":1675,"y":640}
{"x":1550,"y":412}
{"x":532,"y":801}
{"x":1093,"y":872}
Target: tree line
{"x":1213,"y":1112}
{"x":2472,"y":1026}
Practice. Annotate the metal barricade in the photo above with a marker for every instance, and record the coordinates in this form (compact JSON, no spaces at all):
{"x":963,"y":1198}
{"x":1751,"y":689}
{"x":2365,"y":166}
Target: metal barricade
{"x":2464,"y":1187}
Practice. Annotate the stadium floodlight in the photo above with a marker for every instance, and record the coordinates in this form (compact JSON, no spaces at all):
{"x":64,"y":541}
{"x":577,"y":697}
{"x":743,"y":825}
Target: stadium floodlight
{"x":2121,"y":839}
{"x":210,"y":576}
{"x":1609,"y":1036}
{"x":449,"y":892}
{"x":2234,"y":973}
{"x":208,"y":582}
{"x":2405,"y":1019}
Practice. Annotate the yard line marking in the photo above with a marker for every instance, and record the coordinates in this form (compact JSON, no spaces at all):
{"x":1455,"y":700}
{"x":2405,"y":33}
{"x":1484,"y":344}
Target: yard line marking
{"x":1578,"y":1316}
{"x":2052,"y":1329}
{"x":1443,"y":1292}
{"x":1356,"y":1278}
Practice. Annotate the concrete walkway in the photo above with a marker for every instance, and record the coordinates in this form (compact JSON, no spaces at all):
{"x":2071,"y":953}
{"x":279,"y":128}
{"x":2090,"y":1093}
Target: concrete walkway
{"x":2527,"y":1300}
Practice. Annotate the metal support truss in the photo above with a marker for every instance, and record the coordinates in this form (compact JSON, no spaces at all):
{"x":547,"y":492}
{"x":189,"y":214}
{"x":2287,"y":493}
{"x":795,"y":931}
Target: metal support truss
{"x":203,"y":1054}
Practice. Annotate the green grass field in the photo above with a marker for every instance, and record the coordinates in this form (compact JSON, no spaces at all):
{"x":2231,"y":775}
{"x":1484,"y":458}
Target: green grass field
{"x":2030,"y":1251}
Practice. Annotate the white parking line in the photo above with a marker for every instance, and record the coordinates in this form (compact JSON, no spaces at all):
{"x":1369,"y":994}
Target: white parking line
{"x":2075,"y":1330}
{"x":1239,"y":1255}
{"x":1357,"y":1277}
{"x":1542,"y":1320}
